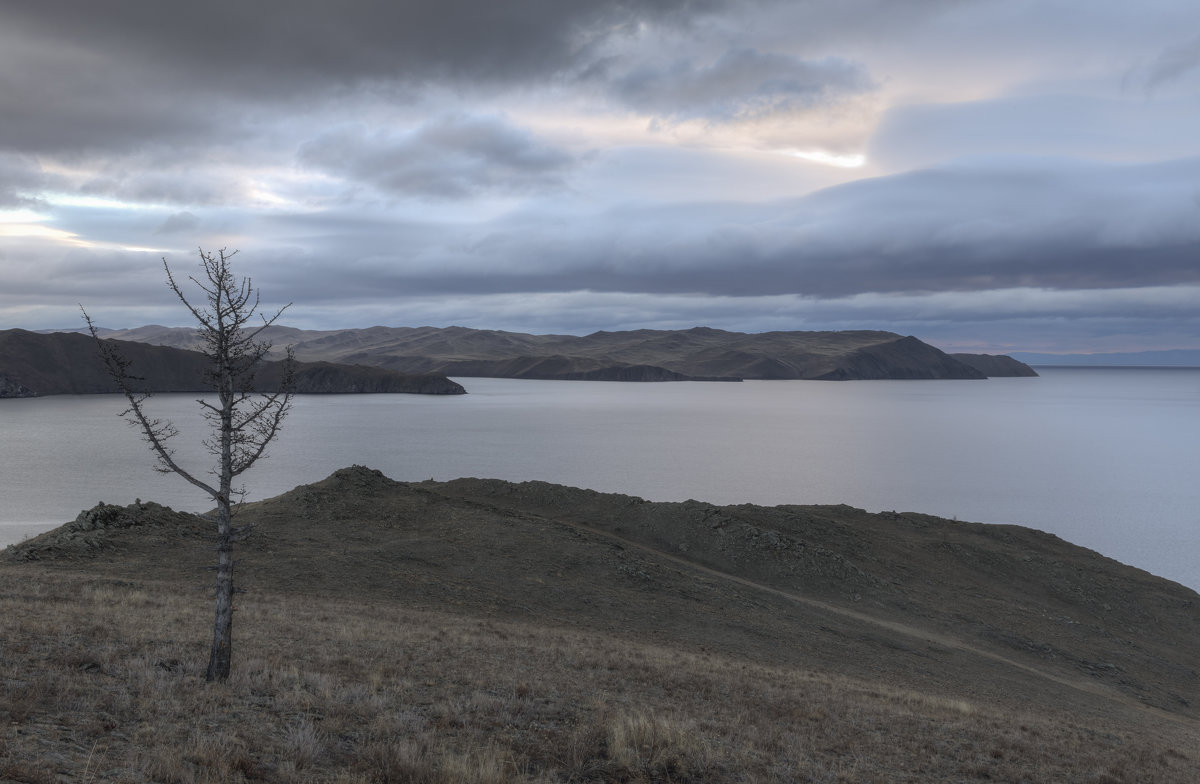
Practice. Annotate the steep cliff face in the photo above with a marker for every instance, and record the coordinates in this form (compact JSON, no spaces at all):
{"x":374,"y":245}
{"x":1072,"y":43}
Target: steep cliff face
{"x":63,"y":363}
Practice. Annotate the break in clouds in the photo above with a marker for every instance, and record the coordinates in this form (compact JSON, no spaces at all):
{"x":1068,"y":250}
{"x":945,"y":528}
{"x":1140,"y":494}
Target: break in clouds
{"x":564,"y":167}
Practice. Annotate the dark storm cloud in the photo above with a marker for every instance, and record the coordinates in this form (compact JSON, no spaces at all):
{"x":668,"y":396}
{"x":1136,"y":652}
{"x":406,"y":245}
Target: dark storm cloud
{"x":453,"y":157}
{"x":57,"y":95}
{"x":744,"y":84}
{"x":78,"y":74}
{"x":351,"y":39}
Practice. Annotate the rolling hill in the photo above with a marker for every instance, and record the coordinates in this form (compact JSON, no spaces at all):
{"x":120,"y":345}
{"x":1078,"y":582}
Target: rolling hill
{"x":525,"y":630}
{"x":699,"y":353}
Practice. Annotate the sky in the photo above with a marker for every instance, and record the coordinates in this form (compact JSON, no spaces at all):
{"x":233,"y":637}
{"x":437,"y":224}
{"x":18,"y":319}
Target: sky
{"x":988,"y":175}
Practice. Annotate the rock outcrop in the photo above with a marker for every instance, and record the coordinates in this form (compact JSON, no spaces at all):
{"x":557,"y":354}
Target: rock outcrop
{"x":93,"y":530}
{"x":10,"y":388}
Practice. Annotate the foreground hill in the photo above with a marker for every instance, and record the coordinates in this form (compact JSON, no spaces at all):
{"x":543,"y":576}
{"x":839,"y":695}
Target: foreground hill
{"x":543,"y":633}
{"x":66,"y":363}
{"x":640,"y":355}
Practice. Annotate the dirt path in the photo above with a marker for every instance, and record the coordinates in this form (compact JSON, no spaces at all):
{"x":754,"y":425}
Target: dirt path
{"x":896,"y":627}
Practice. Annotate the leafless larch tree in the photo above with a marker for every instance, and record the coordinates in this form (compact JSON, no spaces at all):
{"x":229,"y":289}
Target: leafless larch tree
{"x":242,"y":420}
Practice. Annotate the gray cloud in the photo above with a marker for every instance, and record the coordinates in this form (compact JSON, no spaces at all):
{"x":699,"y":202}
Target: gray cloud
{"x":58,"y":95}
{"x":21,"y":179}
{"x":1172,"y":63}
{"x":178,"y":223}
{"x":1023,"y":248}
{"x":79,"y":75}
{"x":1010,"y":223}
{"x":1081,"y":126}
{"x":361,"y":156}
{"x":353,"y":39}
{"x":452,"y":157}
{"x":744,"y":84}
{"x":187,"y":184}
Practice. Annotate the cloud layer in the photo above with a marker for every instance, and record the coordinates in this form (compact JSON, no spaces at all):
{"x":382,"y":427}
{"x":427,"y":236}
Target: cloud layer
{"x":565,"y":167}
{"x":451,"y":157}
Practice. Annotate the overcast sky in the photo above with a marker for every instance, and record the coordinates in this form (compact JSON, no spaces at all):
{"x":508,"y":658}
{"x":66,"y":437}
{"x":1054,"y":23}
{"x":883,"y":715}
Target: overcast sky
{"x":988,"y":175}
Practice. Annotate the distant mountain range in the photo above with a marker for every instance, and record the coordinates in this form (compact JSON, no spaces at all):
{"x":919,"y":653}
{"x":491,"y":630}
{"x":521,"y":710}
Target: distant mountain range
{"x":699,"y":353}
{"x":1171,"y":358}
{"x":67,"y":363}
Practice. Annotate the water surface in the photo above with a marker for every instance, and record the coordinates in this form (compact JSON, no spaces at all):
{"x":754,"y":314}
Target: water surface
{"x":1103,"y":457}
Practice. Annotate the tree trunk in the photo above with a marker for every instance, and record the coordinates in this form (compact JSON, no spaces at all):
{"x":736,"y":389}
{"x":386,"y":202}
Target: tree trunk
{"x":222,"y":645}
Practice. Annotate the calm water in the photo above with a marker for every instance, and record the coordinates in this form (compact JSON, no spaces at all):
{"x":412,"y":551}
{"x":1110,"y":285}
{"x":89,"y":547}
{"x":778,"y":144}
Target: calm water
{"x":1103,"y":457}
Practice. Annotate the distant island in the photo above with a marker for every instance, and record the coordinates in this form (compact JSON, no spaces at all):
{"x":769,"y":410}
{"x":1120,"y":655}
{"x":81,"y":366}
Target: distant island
{"x":66,"y":363}
{"x":1166,"y":358}
{"x":697,"y":354}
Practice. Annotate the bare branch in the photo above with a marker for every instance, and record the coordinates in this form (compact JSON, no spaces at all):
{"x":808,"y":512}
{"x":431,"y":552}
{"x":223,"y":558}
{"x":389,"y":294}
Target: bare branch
{"x":154,"y":431}
{"x":243,"y":421}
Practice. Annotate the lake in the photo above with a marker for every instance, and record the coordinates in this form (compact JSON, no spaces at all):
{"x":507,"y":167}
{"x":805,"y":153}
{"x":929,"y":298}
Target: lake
{"x":1103,"y":457}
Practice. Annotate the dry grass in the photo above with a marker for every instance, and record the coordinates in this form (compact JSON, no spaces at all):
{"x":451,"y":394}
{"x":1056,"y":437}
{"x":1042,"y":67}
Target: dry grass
{"x":102,"y":680}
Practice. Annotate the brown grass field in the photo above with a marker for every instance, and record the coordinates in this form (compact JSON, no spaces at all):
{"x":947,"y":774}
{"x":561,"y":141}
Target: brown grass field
{"x":105,"y":643}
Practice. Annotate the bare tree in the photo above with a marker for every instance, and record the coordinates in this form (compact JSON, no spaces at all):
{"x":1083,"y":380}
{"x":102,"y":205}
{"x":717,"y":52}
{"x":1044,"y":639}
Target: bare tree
{"x":242,"y":420}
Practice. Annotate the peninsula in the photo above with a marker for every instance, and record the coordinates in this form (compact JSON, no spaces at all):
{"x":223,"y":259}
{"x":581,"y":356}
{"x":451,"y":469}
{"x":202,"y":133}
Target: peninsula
{"x":699,"y":353}
{"x":67,"y":363}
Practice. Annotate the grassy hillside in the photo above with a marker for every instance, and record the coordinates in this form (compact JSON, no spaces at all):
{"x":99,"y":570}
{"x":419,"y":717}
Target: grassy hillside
{"x":480,"y":630}
{"x":699,"y":353}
